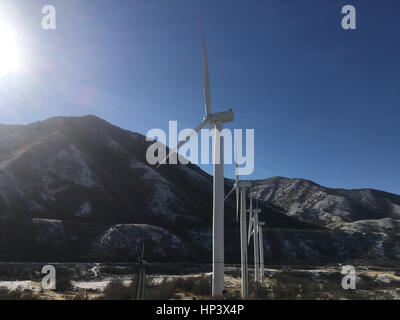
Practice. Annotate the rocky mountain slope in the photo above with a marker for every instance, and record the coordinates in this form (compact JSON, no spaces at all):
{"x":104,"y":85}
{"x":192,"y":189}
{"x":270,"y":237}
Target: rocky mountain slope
{"x":331,"y":208}
{"x":81,"y":189}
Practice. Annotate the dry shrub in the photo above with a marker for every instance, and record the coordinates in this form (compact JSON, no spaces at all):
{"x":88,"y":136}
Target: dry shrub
{"x":17,"y":295}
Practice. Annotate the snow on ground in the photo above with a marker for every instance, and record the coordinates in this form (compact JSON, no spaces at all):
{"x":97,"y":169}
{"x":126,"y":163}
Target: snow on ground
{"x":36,"y":286}
{"x":194,"y":174}
{"x":136,"y":136}
{"x":95,"y":269}
{"x":33,"y":205}
{"x":202,"y":236}
{"x":47,"y":197}
{"x":396,"y":209}
{"x":130,"y":237}
{"x":318,"y":205}
{"x":9,"y":186}
{"x":69,"y":164}
{"x":54,"y":191}
{"x":337,"y":205}
{"x":110,"y":142}
{"x":376,"y":225}
{"x":84,"y":210}
{"x":162,"y":197}
{"x":50,"y":229}
{"x":93,"y":285}
{"x":51,"y":224}
{"x":4,"y":189}
{"x":366,"y":197}
{"x":101,"y":284}
{"x":20,"y":285}
{"x":388,"y":278}
{"x":310,"y":202}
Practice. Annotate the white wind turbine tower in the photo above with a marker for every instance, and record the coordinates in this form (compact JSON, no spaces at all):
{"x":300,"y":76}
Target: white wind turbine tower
{"x":215,"y":121}
{"x":240,"y":187}
{"x":261,"y":247}
{"x":255,"y":230}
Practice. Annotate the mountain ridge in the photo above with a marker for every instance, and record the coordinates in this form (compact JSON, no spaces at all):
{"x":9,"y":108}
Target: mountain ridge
{"x":80,"y":188}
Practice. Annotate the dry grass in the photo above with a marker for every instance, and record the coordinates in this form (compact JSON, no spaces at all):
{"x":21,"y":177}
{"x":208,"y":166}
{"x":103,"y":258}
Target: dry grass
{"x":279,"y":284}
{"x":17,"y":295}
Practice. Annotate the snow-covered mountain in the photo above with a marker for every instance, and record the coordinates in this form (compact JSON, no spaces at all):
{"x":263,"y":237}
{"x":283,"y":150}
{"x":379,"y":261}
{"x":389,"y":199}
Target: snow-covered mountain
{"x":80,"y":188}
{"x":331,"y":208}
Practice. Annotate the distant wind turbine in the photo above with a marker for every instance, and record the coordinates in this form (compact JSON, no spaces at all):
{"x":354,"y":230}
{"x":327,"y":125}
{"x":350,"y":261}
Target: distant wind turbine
{"x":255,"y":230}
{"x":261,"y":248}
{"x":240,"y":187}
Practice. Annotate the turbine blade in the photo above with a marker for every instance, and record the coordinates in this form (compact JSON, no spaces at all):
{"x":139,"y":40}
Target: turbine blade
{"x":207,"y":96}
{"x":237,"y":205}
{"x":233,"y":189}
{"x":236,"y":182}
{"x":236,"y":166}
{"x":180,"y":144}
{"x":251,"y":224}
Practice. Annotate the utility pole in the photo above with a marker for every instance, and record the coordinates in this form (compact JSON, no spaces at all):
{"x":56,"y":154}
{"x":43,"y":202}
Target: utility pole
{"x":141,"y":276}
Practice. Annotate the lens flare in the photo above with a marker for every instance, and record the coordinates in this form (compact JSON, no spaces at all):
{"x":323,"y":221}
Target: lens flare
{"x":10,"y":57}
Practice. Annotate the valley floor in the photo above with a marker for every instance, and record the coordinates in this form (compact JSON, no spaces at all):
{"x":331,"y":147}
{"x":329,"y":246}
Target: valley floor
{"x":117,"y":281}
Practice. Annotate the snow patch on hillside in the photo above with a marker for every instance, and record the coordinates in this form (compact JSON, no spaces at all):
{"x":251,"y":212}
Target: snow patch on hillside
{"x":201,"y":237}
{"x":54,"y":191}
{"x":4,"y":187}
{"x":9,"y":187}
{"x":46,"y":229}
{"x":337,"y":205}
{"x":47,"y":197}
{"x":396,"y":209}
{"x":321,"y":206}
{"x":194,"y":174}
{"x":367,"y":197}
{"x":160,"y":200}
{"x":129,"y":237}
{"x":110,"y":142}
{"x":382,"y":226}
{"x":84,"y":210}
{"x":305,"y":200}
{"x":20,"y":285}
{"x":113,"y":144}
{"x":136,"y":136}
{"x":70,"y":165}
{"x":33,"y":205}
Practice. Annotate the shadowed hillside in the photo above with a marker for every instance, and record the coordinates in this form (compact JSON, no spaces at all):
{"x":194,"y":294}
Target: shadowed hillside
{"x":81,"y":189}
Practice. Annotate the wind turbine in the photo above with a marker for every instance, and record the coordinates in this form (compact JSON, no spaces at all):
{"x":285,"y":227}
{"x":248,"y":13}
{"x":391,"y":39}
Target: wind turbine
{"x":141,"y":277}
{"x":215,"y":121}
{"x":240,"y":187}
{"x":261,"y":247}
{"x":255,"y":230}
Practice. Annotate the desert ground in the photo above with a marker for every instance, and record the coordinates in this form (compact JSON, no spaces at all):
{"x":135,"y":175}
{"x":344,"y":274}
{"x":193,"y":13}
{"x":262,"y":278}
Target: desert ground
{"x":84,"y":281}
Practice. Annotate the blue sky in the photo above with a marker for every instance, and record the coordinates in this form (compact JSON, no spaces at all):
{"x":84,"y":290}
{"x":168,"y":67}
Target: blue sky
{"x":324,"y":102}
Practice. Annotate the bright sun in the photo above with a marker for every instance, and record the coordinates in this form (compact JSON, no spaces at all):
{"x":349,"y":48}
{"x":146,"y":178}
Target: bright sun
{"x":10,"y":60}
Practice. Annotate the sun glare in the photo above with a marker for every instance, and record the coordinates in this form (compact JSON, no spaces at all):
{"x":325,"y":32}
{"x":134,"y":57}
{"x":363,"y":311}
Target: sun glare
{"x":10,"y":60}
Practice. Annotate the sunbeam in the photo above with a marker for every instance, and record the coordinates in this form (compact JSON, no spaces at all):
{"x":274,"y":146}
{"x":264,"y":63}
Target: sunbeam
{"x":10,"y":55}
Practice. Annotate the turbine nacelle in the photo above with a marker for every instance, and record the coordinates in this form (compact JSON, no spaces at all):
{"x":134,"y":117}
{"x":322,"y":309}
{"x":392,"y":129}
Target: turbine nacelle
{"x":254,"y":211}
{"x":223,"y":117}
{"x":243,"y":184}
